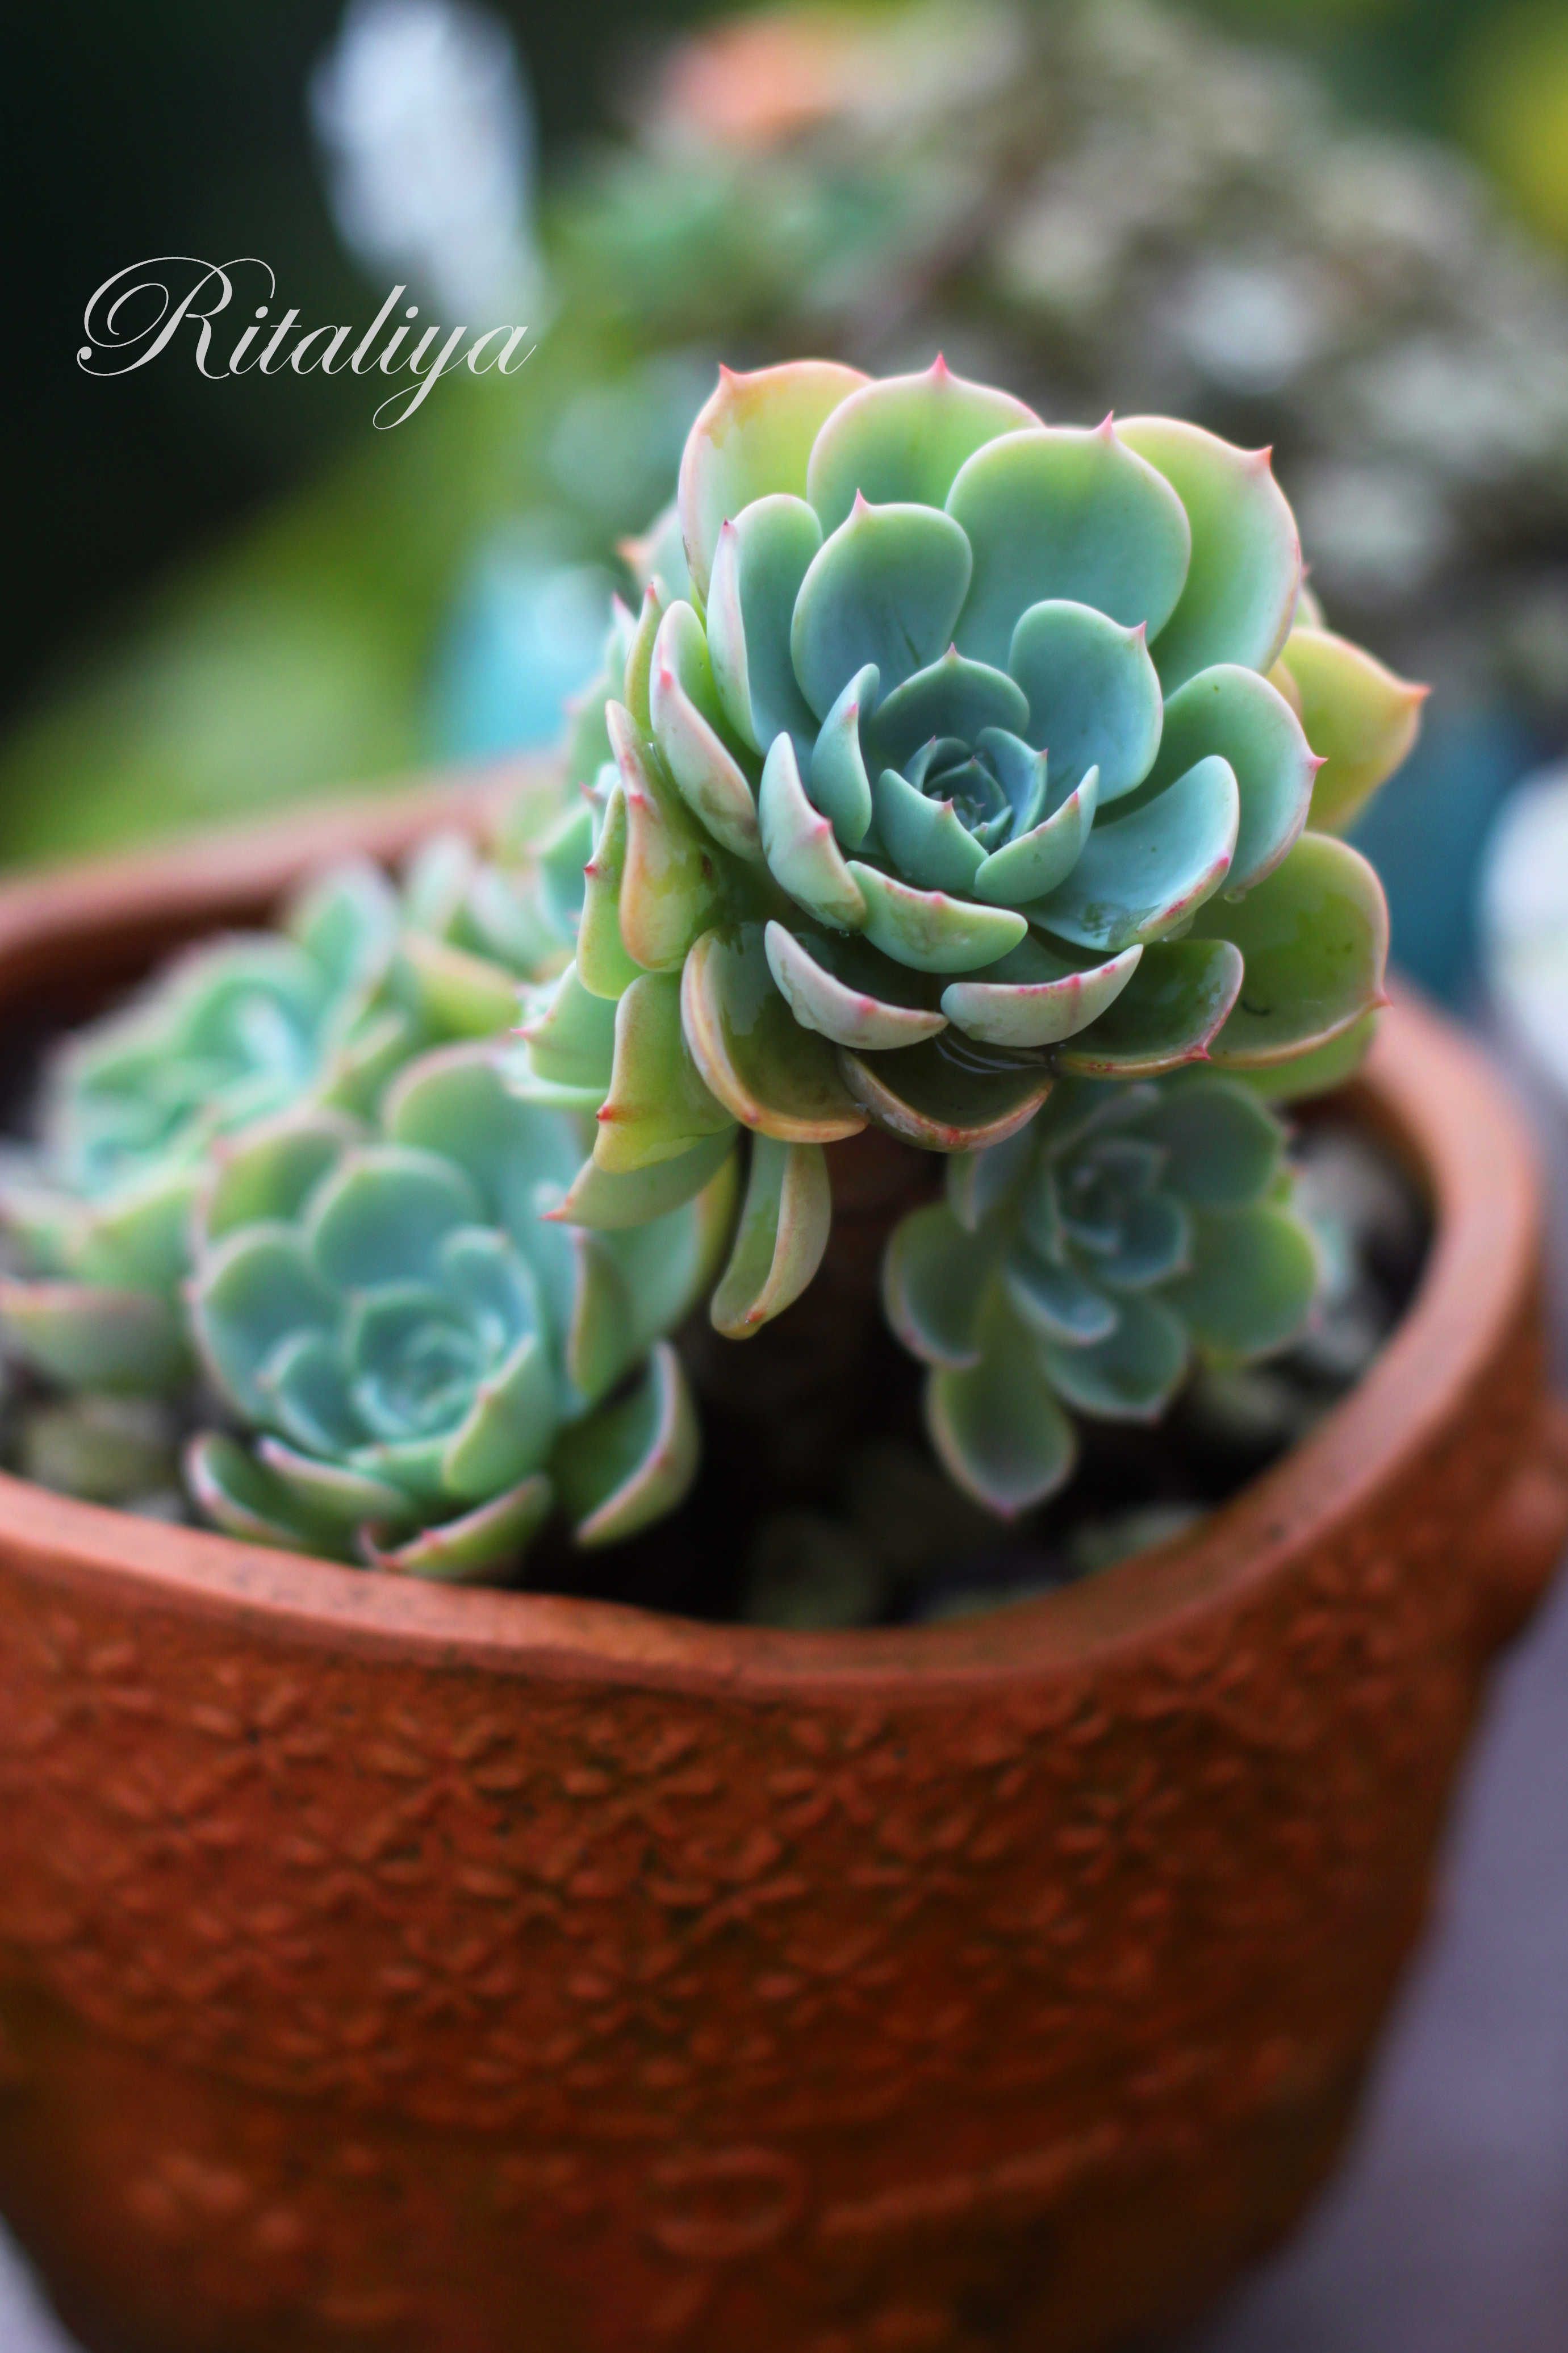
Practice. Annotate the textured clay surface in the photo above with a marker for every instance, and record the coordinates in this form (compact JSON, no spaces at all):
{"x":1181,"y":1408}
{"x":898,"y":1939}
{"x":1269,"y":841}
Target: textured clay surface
{"x":476,"y":1973}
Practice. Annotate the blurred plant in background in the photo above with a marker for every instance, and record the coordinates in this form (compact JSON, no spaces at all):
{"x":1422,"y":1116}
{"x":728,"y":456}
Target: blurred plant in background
{"x":1101,"y":203}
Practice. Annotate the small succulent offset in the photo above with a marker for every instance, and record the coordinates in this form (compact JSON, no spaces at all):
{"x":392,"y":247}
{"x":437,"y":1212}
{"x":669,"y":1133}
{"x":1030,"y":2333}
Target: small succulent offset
{"x":232,"y":1031}
{"x":952,"y":753}
{"x":360,"y":975}
{"x":435,"y":1364}
{"x":1083,"y":1265}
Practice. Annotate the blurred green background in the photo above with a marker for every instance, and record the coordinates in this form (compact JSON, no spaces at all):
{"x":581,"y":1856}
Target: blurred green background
{"x":230,"y":594}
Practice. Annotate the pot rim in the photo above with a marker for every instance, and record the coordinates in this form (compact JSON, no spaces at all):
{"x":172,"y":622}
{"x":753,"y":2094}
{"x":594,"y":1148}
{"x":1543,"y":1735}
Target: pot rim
{"x":1425,"y":1088}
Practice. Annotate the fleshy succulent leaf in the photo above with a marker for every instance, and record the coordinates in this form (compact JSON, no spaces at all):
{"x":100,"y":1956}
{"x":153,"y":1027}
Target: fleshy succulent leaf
{"x":1253,"y":1278}
{"x":1169,"y":1012}
{"x":781,"y":1238}
{"x":668,"y":890}
{"x":923,"y":838}
{"x":1093,"y":693}
{"x":1241,"y":585}
{"x":605,"y":966}
{"x":802,"y":853}
{"x":764,"y":556}
{"x":1143,"y":873}
{"x":687,"y":721}
{"x":904,"y":439}
{"x":1357,"y":716}
{"x":996,"y":1425}
{"x":1132,"y":1374}
{"x":1036,"y":996}
{"x":931,"y":931}
{"x":659,"y":1105}
{"x":1314,"y":936}
{"x":840,"y":786}
{"x":886,"y":587}
{"x":934,"y":1278}
{"x":766,"y":1071}
{"x":242,"y":1497}
{"x":944,"y":1099}
{"x":1059,"y":513}
{"x":1031,"y":865}
{"x":1244,"y":719}
{"x":819,"y":980}
{"x":472,"y":1549}
{"x":753,"y":435}
{"x":634,"y":1461}
{"x":611,"y":1202}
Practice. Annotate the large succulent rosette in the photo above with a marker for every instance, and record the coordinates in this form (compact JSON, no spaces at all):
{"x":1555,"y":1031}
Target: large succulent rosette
{"x":420,"y":1362}
{"x":1083,"y":1266}
{"x":950,"y":752}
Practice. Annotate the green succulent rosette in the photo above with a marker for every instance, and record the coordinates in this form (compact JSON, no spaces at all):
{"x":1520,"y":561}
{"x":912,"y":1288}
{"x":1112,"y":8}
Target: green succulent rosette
{"x":132,"y":1106}
{"x":1085,"y":1265}
{"x":363,"y":973}
{"x":434,"y":1361}
{"x":953,"y":753}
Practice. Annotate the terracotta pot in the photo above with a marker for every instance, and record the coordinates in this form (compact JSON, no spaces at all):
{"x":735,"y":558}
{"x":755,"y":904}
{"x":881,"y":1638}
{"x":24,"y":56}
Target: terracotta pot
{"x":468,"y":1972}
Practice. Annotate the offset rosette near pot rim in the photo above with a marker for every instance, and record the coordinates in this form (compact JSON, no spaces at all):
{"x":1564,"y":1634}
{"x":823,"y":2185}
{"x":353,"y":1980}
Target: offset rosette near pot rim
{"x":1083,"y":1266}
{"x":944,"y":755}
{"x":423,"y":1362}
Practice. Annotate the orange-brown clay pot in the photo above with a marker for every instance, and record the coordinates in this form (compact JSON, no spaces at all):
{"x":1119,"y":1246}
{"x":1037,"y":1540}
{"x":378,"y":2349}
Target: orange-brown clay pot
{"x":427,"y":1971}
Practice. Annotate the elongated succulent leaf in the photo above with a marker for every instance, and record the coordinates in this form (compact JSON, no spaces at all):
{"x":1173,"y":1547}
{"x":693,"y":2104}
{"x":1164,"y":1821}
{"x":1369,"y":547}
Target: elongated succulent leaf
{"x":924,"y":838}
{"x":246,"y":1500}
{"x":929,"y":929}
{"x":611,"y":1203}
{"x":473,"y":1549}
{"x":949,"y":696}
{"x":766,"y":1071}
{"x":830,"y":989}
{"x":934,"y":1279}
{"x":840,"y":786}
{"x":1035,"y":997}
{"x":996,"y":1425}
{"x":605,"y":965}
{"x":1032,"y":865}
{"x":634,"y":1461}
{"x":669,"y":890}
{"x":764,"y":556}
{"x":753,"y":435}
{"x":784,"y":1228}
{"x":659,"y":1105}
{"x":688,"y":721}
{"x":802,"y":853}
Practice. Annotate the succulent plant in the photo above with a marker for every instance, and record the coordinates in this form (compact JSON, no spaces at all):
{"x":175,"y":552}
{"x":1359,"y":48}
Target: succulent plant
{"x":1083,"y":1266}
{"x":434,"y":1361}
{"x":361,"y":974}
{"x":230,"y":1032}
{"x":950,"y":752}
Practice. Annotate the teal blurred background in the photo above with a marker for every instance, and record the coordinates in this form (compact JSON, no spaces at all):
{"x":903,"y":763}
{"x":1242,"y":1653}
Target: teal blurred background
{"x":1340,"y":227}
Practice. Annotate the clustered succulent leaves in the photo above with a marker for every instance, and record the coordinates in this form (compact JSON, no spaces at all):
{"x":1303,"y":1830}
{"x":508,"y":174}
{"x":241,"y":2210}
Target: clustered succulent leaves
{"x":1081,"y":1266}
{"x":291,"y":1171}
{"x":963,"y":775}
{"x":952,"y":753}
